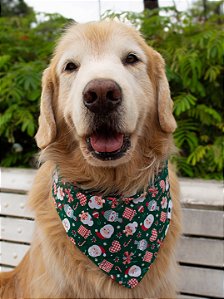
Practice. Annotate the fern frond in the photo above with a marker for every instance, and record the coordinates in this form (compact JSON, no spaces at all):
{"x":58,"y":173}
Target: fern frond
{"x":183,"y":102}
{"x":213,"y":72}
{"x":197,"y":155}
{"x":205,"y":114}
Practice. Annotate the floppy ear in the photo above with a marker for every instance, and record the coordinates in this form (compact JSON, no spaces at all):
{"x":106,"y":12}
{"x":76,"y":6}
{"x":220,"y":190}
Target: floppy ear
{"x":164,"y":101}
{"x":47,"y":128}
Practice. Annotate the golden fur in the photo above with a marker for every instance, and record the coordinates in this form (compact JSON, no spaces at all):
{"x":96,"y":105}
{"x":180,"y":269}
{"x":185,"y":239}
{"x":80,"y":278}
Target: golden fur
{"x":53,"y":267}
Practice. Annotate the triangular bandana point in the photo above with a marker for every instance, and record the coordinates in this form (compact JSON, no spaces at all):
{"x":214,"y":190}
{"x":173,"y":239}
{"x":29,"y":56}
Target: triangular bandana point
{"x":122,"y":236}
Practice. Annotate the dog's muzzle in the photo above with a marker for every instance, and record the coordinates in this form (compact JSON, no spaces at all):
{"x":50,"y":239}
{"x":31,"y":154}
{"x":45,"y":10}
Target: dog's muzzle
{"x":102,"y":96}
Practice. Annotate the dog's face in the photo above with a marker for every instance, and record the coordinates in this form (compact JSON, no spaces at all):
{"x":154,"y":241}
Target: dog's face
{"x":106,"y":83}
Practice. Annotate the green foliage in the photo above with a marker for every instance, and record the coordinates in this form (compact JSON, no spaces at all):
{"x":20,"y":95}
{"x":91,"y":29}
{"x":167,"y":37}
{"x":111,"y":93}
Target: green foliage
{"x":14,"y":8}
{"x":25,"y":49}
{"x":192,"y":44}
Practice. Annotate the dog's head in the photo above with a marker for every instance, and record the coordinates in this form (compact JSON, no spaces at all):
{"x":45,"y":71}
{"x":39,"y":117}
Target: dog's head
{"x":108,"y":88}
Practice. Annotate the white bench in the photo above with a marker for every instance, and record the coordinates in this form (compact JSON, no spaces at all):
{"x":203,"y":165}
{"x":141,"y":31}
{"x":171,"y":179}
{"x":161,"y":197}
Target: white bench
{"x":201,"y":249}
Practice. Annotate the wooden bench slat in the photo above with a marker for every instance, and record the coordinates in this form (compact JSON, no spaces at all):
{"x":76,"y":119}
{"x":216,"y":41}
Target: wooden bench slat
{"x":15,"y":205}
{"x":202,"y":281}
{"x":19,"y":230}
{"x":197,"y":193}
{"x":17,"y":179}
{"x":201,"y":251}
{"x":190,"y":297}
{"x":11,"y":254}
{"x":203,"y":223}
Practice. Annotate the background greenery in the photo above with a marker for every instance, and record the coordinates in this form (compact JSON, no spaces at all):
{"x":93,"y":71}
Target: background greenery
{"x":192,"y":44}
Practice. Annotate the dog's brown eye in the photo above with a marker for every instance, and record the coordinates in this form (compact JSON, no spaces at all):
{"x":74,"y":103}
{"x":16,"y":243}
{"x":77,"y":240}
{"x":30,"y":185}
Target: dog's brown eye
{"x":70,"y":66}
{"x":131,"y":59}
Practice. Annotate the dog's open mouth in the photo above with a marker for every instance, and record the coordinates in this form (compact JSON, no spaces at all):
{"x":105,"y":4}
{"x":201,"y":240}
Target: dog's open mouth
{"x":108,"y":146}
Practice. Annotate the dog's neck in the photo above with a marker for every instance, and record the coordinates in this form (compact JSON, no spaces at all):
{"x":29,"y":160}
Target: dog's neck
{"x":127,"y":178}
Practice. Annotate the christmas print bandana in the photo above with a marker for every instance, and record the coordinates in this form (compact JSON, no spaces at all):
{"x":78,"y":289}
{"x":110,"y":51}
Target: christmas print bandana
{"x":121,"y":235}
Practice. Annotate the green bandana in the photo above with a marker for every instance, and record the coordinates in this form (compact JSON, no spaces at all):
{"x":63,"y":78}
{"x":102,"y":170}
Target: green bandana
{"x":121,"y":235}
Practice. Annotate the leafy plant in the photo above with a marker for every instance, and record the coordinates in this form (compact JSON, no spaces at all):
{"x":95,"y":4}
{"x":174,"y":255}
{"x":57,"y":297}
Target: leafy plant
{"x":192,"y":44}
{"x":25,"y":49}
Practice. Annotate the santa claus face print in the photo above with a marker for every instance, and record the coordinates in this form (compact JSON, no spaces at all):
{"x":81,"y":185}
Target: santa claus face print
{"x":94,"y":251}
{"x":148,"y":221}
{"x":134,"y":271}
{"x":66,"y":224}
{"x":85,"y":218}
{"x":107,"y":231}
{"x":96,"y":202}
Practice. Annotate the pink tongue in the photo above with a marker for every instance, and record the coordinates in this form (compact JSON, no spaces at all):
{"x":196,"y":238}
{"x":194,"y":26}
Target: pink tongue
{"x":106,"y":145}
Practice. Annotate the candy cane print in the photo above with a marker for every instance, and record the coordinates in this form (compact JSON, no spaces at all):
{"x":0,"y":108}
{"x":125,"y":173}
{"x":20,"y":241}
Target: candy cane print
{"x":126,"y":243}
{"x":81,"y":244}
{"x":118,"y":268}
{"x":76,"y":206}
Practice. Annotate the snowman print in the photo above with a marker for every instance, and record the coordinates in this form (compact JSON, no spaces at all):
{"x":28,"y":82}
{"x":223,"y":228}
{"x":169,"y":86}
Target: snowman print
{"x":111,"y":216}
{"x":69,"y":212}
{"x":152,"y":206}
{"x":142,"y":244}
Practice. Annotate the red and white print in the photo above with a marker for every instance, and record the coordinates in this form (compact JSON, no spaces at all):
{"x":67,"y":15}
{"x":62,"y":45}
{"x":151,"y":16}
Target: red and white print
{"x":148,"y":257}
{"x":129,"y":213}
{"x":164,"y":202}
{"x":106,"y":266}
{"x":84,"y":232}
{"x":153,"y":235}
{"x":163,"y":217}
{"x":115,"y":247}
{"x":82,"y":198}
{"x":133,"y":282}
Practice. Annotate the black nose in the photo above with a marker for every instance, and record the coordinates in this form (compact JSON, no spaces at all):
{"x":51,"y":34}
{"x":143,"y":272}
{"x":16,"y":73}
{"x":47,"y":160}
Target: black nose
{"x":102,"y":96}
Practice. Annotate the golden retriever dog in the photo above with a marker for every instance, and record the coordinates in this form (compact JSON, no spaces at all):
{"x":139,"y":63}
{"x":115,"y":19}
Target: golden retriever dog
{"x":105,"y":127}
